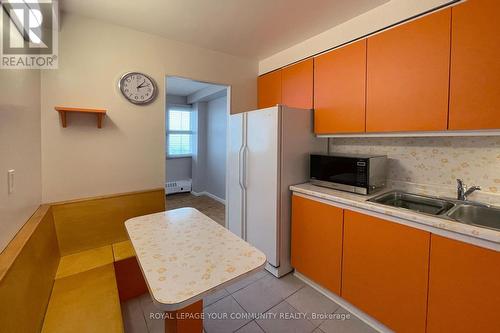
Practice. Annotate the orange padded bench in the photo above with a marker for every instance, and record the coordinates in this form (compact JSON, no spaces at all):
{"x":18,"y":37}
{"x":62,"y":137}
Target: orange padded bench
{"x":71,"y":264}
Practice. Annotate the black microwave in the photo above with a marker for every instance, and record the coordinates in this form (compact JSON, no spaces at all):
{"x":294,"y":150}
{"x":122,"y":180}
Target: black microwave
{"x":362,"y":174}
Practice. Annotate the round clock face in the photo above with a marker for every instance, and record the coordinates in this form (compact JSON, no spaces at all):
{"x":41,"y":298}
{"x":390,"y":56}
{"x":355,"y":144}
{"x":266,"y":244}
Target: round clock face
{"x":138,"y":88}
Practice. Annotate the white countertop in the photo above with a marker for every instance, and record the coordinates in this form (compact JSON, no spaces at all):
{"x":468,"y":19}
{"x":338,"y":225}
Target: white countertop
{"x":184,"y":255}
{"x":485,"y":237}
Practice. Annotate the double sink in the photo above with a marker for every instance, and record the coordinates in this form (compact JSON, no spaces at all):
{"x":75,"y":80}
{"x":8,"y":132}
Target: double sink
{"x":467,"y":212}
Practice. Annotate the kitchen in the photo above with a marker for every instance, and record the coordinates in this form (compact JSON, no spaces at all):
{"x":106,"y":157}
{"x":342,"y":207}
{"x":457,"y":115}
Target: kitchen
{"x":408,"y":112}
{"x":361,"y":191}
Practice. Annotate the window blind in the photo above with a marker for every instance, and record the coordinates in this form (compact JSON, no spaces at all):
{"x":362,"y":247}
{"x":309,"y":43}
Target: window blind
{"x":180,"y":131}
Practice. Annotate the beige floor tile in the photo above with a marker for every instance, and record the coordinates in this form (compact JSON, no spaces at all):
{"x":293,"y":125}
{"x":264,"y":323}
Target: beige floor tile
{"x":348,"y":323}
{"x":154,"y":320}
{"x":218,"y":316}
{"x":214,"y":297}
{"x":315,"y":305}
{"x":145,"y":299}
{"x":285,"y":319}
{"x":246,"y":281}
{"x":286,"y":285}
{"x":251,"y":327}
{"x":133,"y":317}
{"x":259,"y":296}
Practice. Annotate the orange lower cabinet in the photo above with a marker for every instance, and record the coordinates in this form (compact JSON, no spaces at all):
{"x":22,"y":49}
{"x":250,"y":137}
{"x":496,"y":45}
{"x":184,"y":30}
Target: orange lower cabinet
{"x":317,"y":241}
{"x":385,"y":271}
{"x":464,"y":288}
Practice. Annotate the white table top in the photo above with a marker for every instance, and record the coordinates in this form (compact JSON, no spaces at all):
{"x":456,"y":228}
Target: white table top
{"x":184,"y":255}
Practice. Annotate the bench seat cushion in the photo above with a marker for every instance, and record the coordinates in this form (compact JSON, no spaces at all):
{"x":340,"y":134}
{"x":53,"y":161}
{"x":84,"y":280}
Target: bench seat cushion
{"x":123,"y":250}
{"x":85,"y":302}
{"x":84,"y":261}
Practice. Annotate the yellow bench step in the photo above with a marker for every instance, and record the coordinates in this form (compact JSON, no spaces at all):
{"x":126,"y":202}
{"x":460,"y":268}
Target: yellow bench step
{"x":84,"y":261}
{"x":123,"y":250}
{"x":85,"y":302}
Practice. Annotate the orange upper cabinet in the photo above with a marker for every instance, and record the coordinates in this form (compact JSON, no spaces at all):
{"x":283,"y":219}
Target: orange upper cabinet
{"x":408,"y":76}
{"x":298,"y":85}
{"x":340,"y":90}
{"x":317,"y":241}
{"x":269,"y":89}
{"x":475,"y":66}
{"x":463,"y":278}
{"x":385,"y":271}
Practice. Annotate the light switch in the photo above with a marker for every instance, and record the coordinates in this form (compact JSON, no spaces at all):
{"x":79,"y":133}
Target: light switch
{"x":10,"y":180}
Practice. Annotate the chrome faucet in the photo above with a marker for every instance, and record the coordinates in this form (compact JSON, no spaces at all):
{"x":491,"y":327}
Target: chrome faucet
{"x":463,"y":192}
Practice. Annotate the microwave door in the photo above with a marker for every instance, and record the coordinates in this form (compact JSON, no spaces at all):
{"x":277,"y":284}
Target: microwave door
{"x":343,"y":178}
{"x":340,"y":170}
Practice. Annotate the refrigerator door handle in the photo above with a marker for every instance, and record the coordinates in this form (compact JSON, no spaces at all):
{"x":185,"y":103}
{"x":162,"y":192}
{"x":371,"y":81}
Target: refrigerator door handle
{"x":241,"y":167}
{"x":245,"y":173}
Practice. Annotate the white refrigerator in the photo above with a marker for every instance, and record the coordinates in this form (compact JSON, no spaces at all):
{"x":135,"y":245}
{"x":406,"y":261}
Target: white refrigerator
{"x":268,"y":150}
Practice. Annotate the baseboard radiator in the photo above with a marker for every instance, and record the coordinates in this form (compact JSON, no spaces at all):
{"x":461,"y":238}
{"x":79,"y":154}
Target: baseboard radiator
{"x":178,"y":186}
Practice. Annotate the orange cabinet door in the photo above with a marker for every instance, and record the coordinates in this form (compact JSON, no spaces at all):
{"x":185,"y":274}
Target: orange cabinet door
{"x":340,"y":90}
{"x":464,"y":288}
{"x":408,"y":76}
{"x":385,"y":271}
{"x":317,"y":241}
{"x":298,"y":85}
{"x":269,"y":89}
{"x":475,"y":66}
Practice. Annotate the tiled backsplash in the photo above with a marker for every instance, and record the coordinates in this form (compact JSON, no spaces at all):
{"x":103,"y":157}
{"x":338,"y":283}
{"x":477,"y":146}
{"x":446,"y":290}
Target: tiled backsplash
{"x":434,"y":162}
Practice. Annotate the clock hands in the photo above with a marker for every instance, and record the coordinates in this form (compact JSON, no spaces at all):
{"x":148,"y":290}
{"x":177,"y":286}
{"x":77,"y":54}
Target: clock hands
{"x":142,"y":86}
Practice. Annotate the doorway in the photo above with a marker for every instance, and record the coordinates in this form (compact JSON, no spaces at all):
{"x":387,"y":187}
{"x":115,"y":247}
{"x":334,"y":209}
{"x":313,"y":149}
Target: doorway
{"x":195,"y":151}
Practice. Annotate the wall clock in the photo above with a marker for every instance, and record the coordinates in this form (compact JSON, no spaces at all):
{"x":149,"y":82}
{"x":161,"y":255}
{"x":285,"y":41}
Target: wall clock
{"x":138,"y":88}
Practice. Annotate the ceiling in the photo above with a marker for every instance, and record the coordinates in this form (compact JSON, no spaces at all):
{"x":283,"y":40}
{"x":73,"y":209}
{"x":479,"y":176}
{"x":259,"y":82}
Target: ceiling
{"x":185,"y":87}
{"x":248,"y":28}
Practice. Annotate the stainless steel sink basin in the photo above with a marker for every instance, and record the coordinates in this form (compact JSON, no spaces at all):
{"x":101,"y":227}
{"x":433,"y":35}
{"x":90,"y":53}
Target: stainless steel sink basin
{"x":472,"y":213}
{"x":481,"y":216}
{"x":414,"y":202}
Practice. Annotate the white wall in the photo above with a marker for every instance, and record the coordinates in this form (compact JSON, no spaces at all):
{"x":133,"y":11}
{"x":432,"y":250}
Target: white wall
{"x":199,"y":159}
{"x":216,"y":147}
{"x":178,"y":169}
{"x":19,"y":149}
{"x":209,"y":162}
{"x":175,"y":99}
{"x":378,"y":18}
{"x":127,"y":154}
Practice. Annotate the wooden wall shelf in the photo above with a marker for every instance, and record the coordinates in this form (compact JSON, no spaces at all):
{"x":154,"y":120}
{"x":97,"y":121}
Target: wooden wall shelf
{"x":100,"y":114}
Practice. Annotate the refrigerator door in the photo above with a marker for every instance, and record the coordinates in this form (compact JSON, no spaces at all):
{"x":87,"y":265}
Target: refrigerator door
{"x":235,"y":198}
{"x":261,"y":181}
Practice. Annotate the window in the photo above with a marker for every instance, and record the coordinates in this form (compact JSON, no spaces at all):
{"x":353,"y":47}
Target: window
{"x":180,"y":131}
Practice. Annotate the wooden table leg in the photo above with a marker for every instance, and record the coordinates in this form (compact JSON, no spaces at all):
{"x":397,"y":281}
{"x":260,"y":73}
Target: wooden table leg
{"x":187,"y":320}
